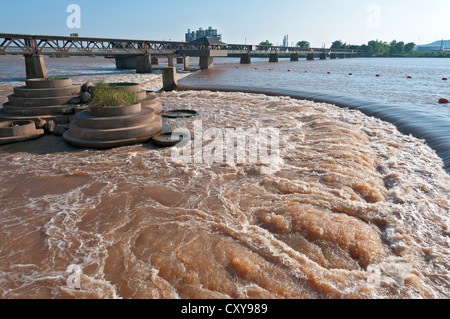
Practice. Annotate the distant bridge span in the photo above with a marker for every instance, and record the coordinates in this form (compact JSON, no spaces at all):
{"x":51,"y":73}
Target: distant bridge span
{"x":33,"y":46}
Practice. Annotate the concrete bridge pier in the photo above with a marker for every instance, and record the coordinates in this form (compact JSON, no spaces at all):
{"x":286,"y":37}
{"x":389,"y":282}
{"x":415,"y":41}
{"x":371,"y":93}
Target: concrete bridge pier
{"x":310,"y":57}
{"x":35,"y":66}
{"x":333,"y":56}
{"x":143,"y":63}
{"x":170,"y":58}
{"x":206,"y":62}
{"x":186,"y":63}
{"x":125,"y":62}
{"x":169,"y":78}
{"x":155,"y":60}
{"x":246,"y":59}
{"x":294,"y":57}
{"x":273,"y":57}
{"x":323,"y":56}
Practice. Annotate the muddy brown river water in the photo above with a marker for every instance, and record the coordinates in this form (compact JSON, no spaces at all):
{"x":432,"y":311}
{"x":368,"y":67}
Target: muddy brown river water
{"x":354,"y":210}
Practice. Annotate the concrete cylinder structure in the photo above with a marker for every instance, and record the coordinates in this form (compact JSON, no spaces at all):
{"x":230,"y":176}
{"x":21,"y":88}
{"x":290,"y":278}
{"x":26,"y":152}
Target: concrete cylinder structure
{"x":246,"y":59}
{"x":310,"y":57}
{"x":294,"y":57}
{"x":169,"y":79}
{"x":333,"y":56}
{"x":143,"y":63}
{"x":35,"y":67}
{"x":323,"y":56}
{"x":206,"y":62}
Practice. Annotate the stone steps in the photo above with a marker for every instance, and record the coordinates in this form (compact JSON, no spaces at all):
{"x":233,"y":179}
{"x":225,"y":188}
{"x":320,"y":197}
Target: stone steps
{"x":45,"y":101}
{"x":87,"y":120}
{"x":43,"y":93}
{"x":34,"y":111}
{"x":107,"y":127}
{"x":92,"y":134}
{"x":41,"y":97}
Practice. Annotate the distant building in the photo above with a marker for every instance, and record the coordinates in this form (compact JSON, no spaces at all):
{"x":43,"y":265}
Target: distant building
{"x":286,"y":40}
{"x":200,"y":33}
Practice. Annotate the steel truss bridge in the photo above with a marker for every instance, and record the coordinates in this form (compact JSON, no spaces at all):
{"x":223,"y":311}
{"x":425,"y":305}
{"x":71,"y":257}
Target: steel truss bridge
{"x":22,"y":44}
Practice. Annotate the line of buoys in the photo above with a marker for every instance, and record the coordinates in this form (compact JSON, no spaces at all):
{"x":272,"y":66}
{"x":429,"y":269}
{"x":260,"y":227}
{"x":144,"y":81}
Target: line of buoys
{"x":443,"y":101}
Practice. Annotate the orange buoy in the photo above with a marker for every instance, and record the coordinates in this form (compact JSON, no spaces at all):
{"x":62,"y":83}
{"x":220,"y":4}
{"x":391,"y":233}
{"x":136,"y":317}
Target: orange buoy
{"x":350,"y":74}
{"x":328,"y":72}
{"x":377,"y":75}
{"x":443,"y":101}
{"x":409,"y":77}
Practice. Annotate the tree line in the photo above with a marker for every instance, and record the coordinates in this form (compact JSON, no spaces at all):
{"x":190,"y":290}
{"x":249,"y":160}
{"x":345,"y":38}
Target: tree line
{"x":374,"y":47}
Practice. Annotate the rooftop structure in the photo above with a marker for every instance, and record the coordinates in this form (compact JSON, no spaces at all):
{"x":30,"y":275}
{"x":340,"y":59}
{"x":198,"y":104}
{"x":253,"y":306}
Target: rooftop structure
{"x":200,"y":33}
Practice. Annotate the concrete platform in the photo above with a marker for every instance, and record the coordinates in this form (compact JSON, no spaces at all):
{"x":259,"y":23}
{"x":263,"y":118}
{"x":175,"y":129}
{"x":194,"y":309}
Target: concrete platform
{"x":18,"y":131}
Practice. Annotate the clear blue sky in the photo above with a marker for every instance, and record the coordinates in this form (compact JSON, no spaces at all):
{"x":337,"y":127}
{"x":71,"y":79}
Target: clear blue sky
{"x":317,"y":21}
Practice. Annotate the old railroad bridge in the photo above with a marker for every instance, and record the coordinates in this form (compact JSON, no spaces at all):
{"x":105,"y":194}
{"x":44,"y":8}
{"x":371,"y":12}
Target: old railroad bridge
{"x":141,"y":54}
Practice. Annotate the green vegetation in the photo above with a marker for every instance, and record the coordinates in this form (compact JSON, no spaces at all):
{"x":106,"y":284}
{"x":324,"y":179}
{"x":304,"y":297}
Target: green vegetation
{"x":59,"y":56}
{"x":102,"y":84}
{"x":267,"y":42}
{"x":104,"y":96}
{"x":437,"y":54}
{"x":56,"y":78}
{"x":378,"y":47}
{"x":303,"y":44}
{"x":394,"y":48}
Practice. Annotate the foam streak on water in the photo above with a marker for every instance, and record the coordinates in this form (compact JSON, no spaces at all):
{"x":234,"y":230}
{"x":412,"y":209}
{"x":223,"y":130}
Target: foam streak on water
{"x":357,"y":210}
